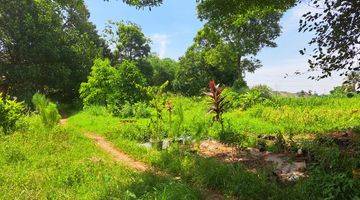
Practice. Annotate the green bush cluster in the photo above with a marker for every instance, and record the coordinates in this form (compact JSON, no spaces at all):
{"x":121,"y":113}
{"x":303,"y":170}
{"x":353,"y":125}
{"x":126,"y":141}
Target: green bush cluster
{"x":113,"y":87}
{"x":47,"y":110}
{"x":10,"y":113}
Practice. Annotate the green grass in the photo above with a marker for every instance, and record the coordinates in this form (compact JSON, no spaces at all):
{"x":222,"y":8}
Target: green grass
{"x":287,"y":116}
{"x":63,"y":164}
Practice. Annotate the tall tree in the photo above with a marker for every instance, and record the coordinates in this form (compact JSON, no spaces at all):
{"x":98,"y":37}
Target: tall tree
{"x":245,"y":25}
{"x":46,"y":46}
{"x":130,"y":44}
{"x":336,"y":44}
{"x":129,"y":40}
{"x":209,"y":58}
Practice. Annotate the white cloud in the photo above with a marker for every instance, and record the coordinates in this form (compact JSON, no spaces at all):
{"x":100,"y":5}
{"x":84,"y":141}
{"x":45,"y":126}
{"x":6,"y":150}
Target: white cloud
{"x":160,"y":43}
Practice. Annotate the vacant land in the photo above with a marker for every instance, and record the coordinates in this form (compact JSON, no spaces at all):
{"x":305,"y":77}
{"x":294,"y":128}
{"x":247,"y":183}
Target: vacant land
{"x":94,"y":154}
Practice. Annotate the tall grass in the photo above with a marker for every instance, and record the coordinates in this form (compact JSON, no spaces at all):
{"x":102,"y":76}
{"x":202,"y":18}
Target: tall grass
{"x":62,"y":164}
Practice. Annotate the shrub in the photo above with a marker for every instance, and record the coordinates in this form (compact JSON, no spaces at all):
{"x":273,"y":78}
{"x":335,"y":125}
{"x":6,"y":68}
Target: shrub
{"x":113,"y":86}
{"x":127,"y":83}
{"x":256,"y":95}
{"x":10,"y":113}
{"x":233,"y":97}
{"x":47,"y":110}
{"x":97,"y":89}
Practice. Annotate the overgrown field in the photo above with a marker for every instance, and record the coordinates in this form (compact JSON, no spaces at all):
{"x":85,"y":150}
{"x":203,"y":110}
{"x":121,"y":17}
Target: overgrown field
{"x":189,"y":117}
{"x":40,"y":159}
{"x":62,"y":164}
{"x":304,"y":123}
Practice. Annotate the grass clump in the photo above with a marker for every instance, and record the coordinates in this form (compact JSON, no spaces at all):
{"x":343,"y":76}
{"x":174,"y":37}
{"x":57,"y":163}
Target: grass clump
{"x":47,"y":110}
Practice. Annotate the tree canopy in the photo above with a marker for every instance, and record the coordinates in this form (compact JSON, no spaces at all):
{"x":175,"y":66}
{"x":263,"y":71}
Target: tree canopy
{"x":46,"y":46}
{"x":129,"y":40}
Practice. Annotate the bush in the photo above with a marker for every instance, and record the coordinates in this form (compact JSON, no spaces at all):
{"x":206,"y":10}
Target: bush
{"x":10,"y":113}
{"x":113,"y":86}
{"x":47,"y":110}
{"x":97,"y":89}
{"x":256,"y":95}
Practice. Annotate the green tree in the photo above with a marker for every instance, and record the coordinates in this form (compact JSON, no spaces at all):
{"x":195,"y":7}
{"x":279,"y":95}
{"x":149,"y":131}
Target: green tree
{"x":99,"y":86}
{"x":131,"y":43}
{"x":127,"y":84}
{"x":210,"y":58}
{"x":113,"y":86}
{"x":245,"y":25}
{"x":46,"y":46}
{"x":142,"y":3}
{"x":163,"y":70}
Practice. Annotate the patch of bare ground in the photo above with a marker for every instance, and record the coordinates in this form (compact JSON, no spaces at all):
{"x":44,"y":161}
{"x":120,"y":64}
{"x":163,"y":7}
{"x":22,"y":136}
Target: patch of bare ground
{"x":63,"y":121}
{"x":117,"y":154}
{"x":253,"y":159}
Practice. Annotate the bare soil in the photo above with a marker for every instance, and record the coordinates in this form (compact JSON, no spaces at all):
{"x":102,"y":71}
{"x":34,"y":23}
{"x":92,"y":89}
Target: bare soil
{"x":117,"y":154}
{"x":253,"y":159}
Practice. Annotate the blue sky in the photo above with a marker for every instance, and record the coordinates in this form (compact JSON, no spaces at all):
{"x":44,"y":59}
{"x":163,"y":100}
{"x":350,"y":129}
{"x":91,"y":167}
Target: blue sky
{"x":173,"y":26}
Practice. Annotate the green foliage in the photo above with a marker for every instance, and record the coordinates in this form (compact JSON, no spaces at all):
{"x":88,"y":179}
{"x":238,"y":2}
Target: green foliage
{"x":10,"y":113}
{"x":113,"y":87}
{"x":244,"y":26}
{"x":329,"y":32}
{"x":137,"y":110}
{"x":163,"y":70}
{"x":256,"y":95}
{"x":47,"y":110}
{"x":131,"y":43}
{"x":46,"y":46}
{"x":126,"y":86}
{"x":210,"y":58}
{"x":98,"y":88}
{"x":61,"y":164}
{"x":338,"y":91}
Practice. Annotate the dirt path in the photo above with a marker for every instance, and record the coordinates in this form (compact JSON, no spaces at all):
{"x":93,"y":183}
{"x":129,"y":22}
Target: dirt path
{"x":117,"y":154}
{"x":63,"y":121}
{"x":125,"y":159}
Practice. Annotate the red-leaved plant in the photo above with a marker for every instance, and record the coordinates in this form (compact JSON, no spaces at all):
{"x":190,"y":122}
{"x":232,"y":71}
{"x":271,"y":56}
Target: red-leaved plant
{"x":217,"y":101}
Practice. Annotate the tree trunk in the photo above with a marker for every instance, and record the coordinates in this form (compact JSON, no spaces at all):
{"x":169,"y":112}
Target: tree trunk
{"x":238,"y":69}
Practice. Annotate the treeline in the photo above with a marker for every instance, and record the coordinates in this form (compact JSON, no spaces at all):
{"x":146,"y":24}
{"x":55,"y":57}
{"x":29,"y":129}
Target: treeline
{"x":50,"y":47}
{"x":46,"y":46}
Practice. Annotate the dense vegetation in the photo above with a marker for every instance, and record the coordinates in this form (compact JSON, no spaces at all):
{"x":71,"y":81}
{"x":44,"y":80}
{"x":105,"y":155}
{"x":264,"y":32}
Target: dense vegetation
{"x":54,"y":64}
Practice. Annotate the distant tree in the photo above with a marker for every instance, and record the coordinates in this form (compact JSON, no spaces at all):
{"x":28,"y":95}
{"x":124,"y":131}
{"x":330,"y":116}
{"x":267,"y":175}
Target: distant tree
{"x":245,"y":25}
{"x":352,"y":82}
{"x":210,"y":58}
{"x":129,"y":40}
{"x":163,"y":70}
{"x":336,"y":24}
{"x":142,"y":3}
